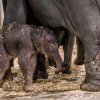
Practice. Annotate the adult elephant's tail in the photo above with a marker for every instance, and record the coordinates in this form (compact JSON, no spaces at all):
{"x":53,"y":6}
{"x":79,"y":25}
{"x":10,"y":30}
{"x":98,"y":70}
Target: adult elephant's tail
{"x":1,"y":14}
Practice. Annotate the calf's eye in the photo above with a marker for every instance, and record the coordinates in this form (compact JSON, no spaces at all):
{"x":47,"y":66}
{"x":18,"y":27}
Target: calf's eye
{"x":50,"y":48}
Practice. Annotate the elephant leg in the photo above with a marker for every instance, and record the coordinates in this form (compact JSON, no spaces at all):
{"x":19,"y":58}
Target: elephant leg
{"x":92,"y":78}
{"x":4,"y":68}
{"x":92,"y":62}
{"x":80,"y":53}
{"x":27,"y":62}
{"x":4,"y":5}
{"x":8,"y":75}
{"x":40,"y":71}
{"x":41,"y":64}
{"x":59,"y":35}
{"x":68,"y":48}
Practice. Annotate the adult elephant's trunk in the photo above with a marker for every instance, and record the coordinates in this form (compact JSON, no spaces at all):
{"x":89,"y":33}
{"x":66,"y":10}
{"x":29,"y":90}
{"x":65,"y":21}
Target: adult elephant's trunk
{"x":1,"y":14}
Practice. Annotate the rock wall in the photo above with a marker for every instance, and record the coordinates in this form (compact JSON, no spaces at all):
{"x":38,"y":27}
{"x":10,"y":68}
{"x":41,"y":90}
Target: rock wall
{"x":1,"y":14}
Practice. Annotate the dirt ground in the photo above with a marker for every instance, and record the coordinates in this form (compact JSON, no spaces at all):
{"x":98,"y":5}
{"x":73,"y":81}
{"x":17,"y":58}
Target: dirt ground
{"x":56,"y":87}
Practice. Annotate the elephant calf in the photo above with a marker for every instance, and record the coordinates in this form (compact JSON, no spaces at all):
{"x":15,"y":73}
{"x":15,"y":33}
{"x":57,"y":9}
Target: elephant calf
{"x":25,"y":42}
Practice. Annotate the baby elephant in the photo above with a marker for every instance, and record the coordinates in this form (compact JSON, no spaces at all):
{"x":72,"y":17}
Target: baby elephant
{"x":25,"y":42}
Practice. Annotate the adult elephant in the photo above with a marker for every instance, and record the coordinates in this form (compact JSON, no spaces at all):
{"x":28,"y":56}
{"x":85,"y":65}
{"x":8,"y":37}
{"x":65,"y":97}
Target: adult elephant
{"x":81,"y":17}
{"x":24,"y":14}
{"x":14,"y":11}
{"x":67,"y":40}
{"x":1,"y":14}
{"x":18,"y":11}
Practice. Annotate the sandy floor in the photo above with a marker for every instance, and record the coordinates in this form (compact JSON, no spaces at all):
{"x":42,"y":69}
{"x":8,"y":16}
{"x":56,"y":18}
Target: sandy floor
{"x":56,"y":87}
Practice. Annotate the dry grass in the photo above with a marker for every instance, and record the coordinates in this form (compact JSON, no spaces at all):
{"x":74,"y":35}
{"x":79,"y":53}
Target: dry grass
{"x":55,"y":83}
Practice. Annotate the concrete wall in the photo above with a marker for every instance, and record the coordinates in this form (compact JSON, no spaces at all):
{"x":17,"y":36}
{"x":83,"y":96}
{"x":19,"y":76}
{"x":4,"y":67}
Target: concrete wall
{"x":1,"y":14}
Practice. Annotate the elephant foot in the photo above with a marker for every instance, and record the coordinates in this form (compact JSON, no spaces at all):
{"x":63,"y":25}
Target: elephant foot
{"x":78,"y":62}
{"x":92,"y":78}
{"x":67,"y":72}
{"x":66,"y":68}
{"x":28,"y":88}
{"x":89,"y":86}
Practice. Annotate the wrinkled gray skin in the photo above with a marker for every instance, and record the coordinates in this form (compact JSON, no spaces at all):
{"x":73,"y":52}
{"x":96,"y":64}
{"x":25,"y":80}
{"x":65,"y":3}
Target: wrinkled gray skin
{"x":46,"y":43}
{"x":25,"y":42}
{"x":80,"y":53}
{"x":81,"y":17}
{"x":15,"y":11}
{"x":24,"y":14}
{"x":17,"y":43}
{"x":67,"y":43}
{"x":1,"y":14}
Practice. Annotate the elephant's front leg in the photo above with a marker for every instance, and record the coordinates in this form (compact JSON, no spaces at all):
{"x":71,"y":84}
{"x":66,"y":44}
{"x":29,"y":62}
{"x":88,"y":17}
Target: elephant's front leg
{"x":68,"y":48}
{"x":80,"y":53}
{"x":41,"y":68}
{"x":27,"y":63}
{"x":9,"y":75}
{"x":92,"y":62}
